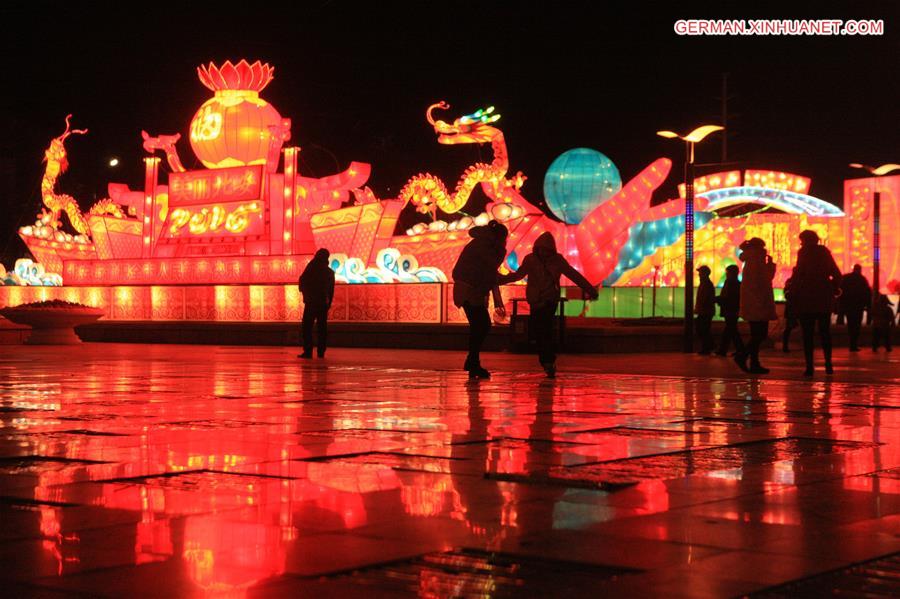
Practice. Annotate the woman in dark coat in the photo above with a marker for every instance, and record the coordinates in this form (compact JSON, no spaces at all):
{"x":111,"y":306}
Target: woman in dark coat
{"x":757,"y":300}
{"x":474,"y":277}
{"x":815,"y":285}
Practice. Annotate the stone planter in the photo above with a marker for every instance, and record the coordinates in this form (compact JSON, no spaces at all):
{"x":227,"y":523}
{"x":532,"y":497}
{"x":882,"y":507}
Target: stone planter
{"x":52,"y":323}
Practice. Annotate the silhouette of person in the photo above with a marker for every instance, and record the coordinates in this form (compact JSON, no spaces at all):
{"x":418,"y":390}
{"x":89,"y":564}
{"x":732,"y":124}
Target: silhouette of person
{"x":543,"y":267}
{"x":317,"y":286}
{"x":816,"y":283}
{"x":705,"y":309}
{"x":855,"y":298}
{"x":729,"y":301}
{"x":474,"y":277}
{"x":757,"y":300}
{"x":882,"y":322}
{"x":791,"y":318}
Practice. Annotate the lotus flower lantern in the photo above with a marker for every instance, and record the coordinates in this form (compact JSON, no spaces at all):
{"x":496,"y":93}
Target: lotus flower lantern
{"x":236,"y":127}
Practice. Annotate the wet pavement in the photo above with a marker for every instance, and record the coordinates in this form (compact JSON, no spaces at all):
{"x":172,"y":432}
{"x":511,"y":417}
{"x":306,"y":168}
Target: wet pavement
{"x":151,"y":470}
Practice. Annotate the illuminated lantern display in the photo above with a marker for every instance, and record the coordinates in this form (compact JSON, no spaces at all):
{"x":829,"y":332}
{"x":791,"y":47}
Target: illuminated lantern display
{"x":428,"y":193}
{"x":578,"y":181}
{"x":236,"y":127}
{"x":645,"y":237}
{"x":227,"y":242}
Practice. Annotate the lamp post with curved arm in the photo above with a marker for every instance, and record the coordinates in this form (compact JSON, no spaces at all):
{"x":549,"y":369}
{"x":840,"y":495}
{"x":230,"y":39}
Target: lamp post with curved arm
{"x":692,"y":138}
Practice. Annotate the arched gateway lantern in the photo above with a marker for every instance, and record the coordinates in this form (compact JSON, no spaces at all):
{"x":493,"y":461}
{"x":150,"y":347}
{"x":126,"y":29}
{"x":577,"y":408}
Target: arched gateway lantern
{"x":236,"y":127}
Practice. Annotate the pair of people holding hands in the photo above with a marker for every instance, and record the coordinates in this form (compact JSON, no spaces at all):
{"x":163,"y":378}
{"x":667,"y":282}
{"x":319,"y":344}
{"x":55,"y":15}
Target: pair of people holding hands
{"x":475,"y":277}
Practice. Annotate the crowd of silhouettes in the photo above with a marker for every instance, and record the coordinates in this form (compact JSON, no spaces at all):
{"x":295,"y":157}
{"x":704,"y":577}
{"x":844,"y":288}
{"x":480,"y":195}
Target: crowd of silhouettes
{"x":814,"y":292}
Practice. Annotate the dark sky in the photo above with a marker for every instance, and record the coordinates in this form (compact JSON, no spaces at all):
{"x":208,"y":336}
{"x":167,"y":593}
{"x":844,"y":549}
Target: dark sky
{"x":356,"y":78}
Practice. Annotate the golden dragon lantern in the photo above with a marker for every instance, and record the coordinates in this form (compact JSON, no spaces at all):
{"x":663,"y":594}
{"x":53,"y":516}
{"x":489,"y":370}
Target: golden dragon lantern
{"x":236,"y":127}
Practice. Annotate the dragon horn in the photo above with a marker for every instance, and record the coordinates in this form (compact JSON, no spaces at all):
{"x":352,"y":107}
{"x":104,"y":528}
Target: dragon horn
{"x":69,"y":132}
{"x":441,"y":105}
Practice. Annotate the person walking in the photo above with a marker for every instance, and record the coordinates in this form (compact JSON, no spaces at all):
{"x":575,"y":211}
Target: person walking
{"x":791,"y":319}
{"x":317,"y":286}
{"x":816,"y":283}
{"x":544,"y":266}
{"x":705,"y":309}
{"x":474,"y":277}
{"x":855,"y":298}
{"x":729,"y":301}
{"x":757,"y":300}
{"x":882,"y":322}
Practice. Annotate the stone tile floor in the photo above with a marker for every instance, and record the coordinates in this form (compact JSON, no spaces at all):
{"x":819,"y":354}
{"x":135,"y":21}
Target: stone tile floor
{"x":169,"y":471}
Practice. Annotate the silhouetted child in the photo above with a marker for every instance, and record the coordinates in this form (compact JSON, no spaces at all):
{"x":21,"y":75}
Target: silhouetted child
{"x":317,"y":286}
{"x":705,"y":309}
{"x":729,"y":301}
{"x":543,"y":267}
{"x":791,"y":319}
{"x":882,"y":322}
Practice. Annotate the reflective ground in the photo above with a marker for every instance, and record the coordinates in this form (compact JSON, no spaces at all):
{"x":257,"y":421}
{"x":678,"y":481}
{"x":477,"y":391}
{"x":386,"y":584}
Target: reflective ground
{"x":149,"y":470}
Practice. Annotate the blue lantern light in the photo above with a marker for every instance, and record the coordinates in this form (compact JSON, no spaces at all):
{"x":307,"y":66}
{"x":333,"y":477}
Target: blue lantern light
{"x":578,"y":181}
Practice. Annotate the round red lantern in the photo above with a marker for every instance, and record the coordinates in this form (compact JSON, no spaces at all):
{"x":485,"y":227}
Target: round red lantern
{"x":236,"y":127}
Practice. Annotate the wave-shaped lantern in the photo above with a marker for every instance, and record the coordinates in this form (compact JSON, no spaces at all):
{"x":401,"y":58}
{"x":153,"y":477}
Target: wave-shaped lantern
{"x":236,"y":127}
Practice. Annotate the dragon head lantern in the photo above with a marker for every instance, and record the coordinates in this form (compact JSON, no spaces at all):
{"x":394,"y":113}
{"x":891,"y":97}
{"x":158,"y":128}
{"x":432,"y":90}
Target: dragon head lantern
{"x":236,"y":127}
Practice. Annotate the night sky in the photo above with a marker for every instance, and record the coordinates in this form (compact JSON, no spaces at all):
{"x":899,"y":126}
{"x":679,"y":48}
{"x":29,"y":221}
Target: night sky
{"x":356,"y":78}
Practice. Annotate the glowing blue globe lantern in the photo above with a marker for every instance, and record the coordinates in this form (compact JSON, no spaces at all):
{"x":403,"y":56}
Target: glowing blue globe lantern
{"x":578,"y":181}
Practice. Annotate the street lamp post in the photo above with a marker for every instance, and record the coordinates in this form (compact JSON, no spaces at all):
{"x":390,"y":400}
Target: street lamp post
{"x":876,"y":223}
{"x":690,"y":140}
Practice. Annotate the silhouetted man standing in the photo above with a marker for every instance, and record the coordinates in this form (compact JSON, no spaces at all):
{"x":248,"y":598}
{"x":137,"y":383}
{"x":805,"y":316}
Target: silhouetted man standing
{"x":317,"y":287}
{"x":856,"y":297}
{"x":705,"y":309}
{"x":816,"y":281}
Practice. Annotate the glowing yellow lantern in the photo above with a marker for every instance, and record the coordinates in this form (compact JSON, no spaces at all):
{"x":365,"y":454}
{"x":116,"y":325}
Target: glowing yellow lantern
{"x":236,"y":127}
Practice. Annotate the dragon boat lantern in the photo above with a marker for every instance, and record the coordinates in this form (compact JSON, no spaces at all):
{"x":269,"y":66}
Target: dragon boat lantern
{"x":236,"y":127}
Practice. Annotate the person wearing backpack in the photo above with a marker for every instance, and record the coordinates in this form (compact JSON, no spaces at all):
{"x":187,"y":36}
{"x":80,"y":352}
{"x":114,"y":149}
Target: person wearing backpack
{"x":544,"y":266}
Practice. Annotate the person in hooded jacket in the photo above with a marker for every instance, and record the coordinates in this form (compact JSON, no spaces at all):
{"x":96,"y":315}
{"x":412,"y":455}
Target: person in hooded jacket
{"x":544,"y":266}
{"x":474,"y":277}
{"x":757,"y":300}
{"x":815,"y":285}
{"x":317,"y":286}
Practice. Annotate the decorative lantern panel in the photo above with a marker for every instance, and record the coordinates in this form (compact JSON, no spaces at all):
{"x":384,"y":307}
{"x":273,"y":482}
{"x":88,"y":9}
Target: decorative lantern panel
{"x":236,"y":127}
